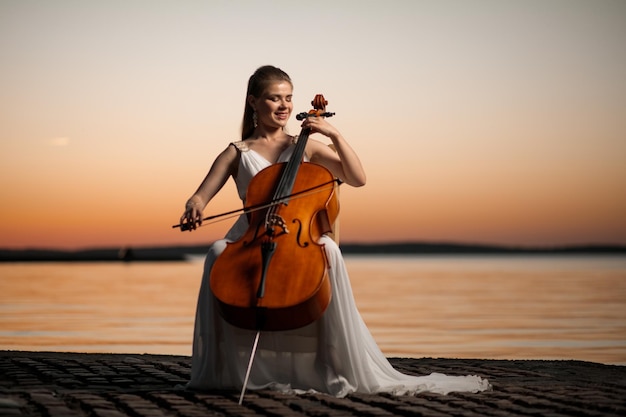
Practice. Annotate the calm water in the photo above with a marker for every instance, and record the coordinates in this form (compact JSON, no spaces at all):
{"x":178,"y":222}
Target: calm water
{"x":527,"y":307}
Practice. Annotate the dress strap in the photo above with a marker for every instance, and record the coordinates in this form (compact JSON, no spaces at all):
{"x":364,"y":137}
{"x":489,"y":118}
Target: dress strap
{"x":241,"y":145}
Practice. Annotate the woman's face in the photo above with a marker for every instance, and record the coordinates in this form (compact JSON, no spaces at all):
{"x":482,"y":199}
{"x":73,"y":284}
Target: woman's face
{"x":274,"y":106}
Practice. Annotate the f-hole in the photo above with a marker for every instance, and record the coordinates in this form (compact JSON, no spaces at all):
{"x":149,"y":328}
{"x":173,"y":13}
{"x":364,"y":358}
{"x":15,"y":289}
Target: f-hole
{"x":299,"y":234}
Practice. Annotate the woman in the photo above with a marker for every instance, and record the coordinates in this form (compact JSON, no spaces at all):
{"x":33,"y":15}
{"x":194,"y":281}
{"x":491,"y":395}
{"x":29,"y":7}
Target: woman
{"x":335,"y":354}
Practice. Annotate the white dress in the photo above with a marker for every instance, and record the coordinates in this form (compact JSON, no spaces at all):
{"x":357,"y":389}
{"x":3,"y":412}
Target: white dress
{"x":336,"y":354}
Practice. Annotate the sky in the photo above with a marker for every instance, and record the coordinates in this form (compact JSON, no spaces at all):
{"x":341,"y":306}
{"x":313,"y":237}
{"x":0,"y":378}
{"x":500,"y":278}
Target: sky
{"x":477,"y":121}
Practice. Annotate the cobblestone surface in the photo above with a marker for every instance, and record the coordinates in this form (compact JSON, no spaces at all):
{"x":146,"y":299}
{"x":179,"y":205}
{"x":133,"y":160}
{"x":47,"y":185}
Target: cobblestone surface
{"x":115,"y":385}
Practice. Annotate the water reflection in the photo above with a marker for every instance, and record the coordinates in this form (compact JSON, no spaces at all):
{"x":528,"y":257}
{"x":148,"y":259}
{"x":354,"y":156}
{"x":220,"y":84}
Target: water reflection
{"x":495,"y":307}
{"x":464,"y":307}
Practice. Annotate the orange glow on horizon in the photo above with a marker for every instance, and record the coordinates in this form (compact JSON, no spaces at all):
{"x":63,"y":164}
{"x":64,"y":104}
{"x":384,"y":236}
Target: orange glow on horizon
{"x":468,"y":132}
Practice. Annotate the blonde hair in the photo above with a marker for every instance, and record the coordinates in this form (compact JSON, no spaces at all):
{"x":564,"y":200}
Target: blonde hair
{"x":257,"y":84}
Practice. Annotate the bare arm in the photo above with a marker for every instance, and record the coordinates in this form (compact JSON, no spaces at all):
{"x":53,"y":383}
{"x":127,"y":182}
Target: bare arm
{"x":344,"y":163}
{"x":224,"y":166}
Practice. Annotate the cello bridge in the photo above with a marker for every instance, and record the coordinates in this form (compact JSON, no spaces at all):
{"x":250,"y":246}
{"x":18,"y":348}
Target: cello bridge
{"x":272,"y":221}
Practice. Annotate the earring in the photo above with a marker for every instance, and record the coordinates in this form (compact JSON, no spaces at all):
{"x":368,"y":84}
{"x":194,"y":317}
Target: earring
{"x":254,"y":119}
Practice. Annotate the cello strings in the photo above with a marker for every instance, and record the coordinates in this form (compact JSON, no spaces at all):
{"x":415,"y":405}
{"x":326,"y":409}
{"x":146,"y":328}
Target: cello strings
{"x":289,"y":172}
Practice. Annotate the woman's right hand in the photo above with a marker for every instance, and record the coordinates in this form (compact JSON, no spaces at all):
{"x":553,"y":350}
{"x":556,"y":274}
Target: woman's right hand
{"x":192,"y":217}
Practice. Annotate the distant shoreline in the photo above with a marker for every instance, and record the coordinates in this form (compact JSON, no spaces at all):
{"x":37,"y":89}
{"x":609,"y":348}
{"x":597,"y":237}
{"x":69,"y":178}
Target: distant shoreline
{"x":181,"y":253}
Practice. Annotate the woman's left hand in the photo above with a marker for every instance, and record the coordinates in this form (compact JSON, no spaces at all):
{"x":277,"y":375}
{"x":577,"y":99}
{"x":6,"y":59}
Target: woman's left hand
{"x":320,"y":125}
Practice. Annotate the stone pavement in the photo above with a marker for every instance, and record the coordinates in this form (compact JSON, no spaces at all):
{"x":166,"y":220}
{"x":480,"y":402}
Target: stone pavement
{"x":119,"y":385}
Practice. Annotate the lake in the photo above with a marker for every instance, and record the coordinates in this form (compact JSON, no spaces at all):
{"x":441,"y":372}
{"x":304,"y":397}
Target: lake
{"x":492,"y":307}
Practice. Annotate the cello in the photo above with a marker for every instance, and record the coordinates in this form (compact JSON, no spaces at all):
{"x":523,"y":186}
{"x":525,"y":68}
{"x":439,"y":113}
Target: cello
{"x":275,"y":277}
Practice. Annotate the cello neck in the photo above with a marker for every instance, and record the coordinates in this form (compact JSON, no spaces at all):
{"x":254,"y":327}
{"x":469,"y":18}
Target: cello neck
{"x":287,"y":180}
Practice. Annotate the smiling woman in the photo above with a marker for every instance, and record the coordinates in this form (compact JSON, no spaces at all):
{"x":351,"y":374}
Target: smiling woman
{"x":271,"y":100}
{"x":274,"y":105}
{"x":324,"y":345}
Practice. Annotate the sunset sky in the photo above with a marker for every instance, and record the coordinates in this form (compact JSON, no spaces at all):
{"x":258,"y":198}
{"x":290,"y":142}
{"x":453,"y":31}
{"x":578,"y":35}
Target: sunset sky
{"x":483,"y":121}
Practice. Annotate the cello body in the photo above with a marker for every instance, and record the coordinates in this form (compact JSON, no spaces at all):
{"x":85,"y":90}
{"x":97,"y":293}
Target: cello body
{"x":275,"y":277}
